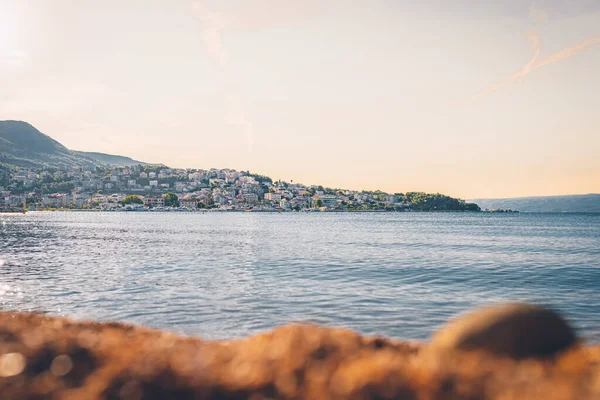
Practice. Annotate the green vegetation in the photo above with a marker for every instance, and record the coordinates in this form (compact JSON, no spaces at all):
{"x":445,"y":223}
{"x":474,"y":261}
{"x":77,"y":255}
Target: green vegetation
{"x":4,"y":175}
{"x":133,"y":199}
{"x":109,"y":158}
{"x":260,"y":178}
{"x":472,"y":207}
{"x":171,"y":200}
{"x":437,"y":202}
{"x":23,"y":146}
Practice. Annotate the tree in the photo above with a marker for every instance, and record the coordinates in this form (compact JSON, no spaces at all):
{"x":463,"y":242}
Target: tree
{"x":133,"y":199}
{"x":171,"y":200}
{"x":260,"y":178}
{"x":318,"y":203}
{"x":472,"y":207}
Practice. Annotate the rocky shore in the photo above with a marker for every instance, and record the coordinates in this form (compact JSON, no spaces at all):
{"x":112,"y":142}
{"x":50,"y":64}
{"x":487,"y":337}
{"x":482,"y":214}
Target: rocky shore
{"x":506,"y":352}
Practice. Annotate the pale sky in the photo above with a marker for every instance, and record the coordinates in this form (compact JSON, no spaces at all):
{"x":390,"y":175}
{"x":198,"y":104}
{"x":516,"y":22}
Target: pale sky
{"x":452,"y":96}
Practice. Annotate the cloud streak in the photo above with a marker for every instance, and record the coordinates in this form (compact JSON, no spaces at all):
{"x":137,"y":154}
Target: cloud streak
{"x":536,"y":63}
{"x":538,"y":16}
{"x":214,"y":26}
{"x":263,"y":14}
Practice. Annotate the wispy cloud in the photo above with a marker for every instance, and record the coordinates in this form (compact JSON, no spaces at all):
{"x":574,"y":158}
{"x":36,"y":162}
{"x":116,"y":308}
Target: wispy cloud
{"x":263,"y":14}
{"x":214,"y":26}
{"x":535,"y":42}
{"x":535,"y":62}
{"x":538,"y":16}
{"x":568,"y":52}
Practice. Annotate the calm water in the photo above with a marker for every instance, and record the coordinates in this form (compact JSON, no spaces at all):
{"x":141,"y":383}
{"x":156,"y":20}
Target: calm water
{"x":229,"y":275}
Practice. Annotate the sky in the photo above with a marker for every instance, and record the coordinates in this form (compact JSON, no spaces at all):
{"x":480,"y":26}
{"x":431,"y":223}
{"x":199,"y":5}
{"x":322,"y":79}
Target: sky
{"x":460,"y":97}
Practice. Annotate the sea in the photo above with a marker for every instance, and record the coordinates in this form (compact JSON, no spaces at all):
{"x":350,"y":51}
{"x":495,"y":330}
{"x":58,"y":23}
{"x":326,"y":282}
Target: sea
{"x":229,"y":275}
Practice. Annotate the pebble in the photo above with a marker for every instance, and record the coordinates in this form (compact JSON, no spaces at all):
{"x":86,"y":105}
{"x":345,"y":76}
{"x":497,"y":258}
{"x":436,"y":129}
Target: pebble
{"x":514,"y":330}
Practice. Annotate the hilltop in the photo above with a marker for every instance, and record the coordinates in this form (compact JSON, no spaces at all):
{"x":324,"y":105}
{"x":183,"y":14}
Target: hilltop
{"x":110,"y":159}
{"x":23,"y":146}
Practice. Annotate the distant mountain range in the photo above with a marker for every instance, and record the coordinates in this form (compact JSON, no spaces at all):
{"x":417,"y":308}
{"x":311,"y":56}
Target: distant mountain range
{"x":569,"y":203}
{"x":22,"y":145}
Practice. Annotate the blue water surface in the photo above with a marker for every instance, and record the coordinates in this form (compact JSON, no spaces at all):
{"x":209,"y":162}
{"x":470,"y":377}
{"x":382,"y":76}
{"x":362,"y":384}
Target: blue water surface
{"x":227,"y":275}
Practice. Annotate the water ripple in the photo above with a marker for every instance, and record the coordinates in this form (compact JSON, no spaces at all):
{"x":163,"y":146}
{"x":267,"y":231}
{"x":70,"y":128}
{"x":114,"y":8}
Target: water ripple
{"x":231,"y":275}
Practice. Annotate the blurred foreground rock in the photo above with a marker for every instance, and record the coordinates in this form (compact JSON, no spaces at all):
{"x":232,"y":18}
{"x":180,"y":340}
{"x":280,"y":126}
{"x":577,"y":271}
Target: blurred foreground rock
{"x":53,"y":358}
{"x":513,"y":330}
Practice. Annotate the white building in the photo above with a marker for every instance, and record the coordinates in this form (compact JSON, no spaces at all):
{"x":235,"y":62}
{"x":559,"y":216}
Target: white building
{"x":56,"y":200}
{"x":250,"y":197}
{"x":285,"y":204}
{"x":154,"y":201}
{"x":79,"y":199}
{"x":328,"y":200}
{"x":273,"y":196}
{"x":191,"y":204}
{"x":16,"y":199}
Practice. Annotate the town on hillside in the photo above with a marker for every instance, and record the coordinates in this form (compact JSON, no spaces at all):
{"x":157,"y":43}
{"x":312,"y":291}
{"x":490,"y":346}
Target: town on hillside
{"x":157,"y":187}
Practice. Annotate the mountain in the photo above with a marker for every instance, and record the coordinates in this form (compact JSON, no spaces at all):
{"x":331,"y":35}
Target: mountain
{"x":569,"y":203}
{"x":22,"y":145}
{"x":111,"y":159}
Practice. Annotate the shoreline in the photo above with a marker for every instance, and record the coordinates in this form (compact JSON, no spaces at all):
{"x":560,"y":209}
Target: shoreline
{"x":256,"y":211}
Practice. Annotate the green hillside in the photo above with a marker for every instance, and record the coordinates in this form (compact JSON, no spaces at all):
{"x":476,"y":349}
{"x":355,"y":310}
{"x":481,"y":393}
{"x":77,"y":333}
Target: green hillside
{"x":110,"y":159}
{"x":22,"y":145}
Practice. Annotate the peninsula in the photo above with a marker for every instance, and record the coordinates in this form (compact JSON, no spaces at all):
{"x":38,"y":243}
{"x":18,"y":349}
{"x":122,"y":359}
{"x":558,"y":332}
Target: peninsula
{"x":38,"y":173}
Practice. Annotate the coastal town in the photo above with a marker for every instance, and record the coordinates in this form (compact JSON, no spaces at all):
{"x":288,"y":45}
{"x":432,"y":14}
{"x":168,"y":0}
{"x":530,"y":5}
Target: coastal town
{"x":157,"y":187}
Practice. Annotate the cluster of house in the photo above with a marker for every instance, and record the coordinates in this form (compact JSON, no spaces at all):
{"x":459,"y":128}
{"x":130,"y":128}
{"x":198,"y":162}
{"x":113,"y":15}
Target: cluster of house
{"x":214,"y":188}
